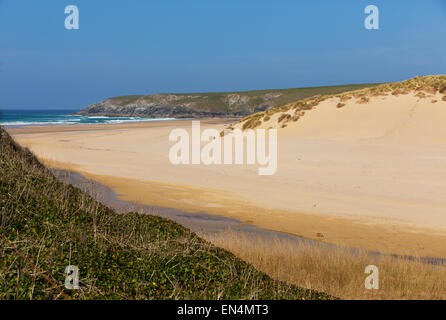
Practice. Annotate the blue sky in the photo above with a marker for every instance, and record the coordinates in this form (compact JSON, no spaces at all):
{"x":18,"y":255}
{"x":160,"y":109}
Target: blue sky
{"x":143,"y":47}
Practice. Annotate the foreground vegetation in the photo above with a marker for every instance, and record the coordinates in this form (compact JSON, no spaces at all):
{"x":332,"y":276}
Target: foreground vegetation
{"x":338,"y":271}
{"x":47,"y":225}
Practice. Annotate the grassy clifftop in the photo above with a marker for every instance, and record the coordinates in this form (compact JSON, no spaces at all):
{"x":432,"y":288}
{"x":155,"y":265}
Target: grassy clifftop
{"x":216,"y":104}
{"x":47,"y":225}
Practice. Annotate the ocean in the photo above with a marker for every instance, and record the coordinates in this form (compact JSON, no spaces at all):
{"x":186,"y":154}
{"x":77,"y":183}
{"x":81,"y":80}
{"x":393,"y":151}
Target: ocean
{"x":9,"y":117}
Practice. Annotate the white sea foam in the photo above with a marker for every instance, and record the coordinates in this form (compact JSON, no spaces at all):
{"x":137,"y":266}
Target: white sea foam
{"x":24,"y":123}
{"x":84,"y":120}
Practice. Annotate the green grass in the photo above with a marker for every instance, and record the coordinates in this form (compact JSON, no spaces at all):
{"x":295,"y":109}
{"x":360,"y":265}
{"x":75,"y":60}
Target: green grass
{"x":123,"y":100}
{"x":119,"y":256}
{"x":217,"y":101}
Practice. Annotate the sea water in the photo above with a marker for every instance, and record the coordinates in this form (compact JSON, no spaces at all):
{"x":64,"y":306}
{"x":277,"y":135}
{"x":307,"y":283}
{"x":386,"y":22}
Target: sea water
{"x":11,"y":117}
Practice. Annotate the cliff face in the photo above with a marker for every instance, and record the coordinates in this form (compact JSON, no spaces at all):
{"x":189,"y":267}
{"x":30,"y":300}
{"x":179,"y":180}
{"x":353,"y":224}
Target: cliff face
{"x":201,"y":105}
{"x":182,"y":106}
{"x":176,"y":106}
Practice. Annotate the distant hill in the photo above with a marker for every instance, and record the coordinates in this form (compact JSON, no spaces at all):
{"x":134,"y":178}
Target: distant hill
{"x":198,"y":105}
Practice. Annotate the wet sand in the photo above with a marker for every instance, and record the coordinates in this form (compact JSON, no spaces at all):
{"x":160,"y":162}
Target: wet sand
{"x":204,"y":223}
{"x":200,"y":222}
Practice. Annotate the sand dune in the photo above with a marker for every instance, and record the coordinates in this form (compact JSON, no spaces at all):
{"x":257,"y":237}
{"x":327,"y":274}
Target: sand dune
{"x":399,"y":119}
{"x":370,"y":175}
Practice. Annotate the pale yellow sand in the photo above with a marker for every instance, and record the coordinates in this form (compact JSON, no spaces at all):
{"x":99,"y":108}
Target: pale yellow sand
{"x":366,"y":175}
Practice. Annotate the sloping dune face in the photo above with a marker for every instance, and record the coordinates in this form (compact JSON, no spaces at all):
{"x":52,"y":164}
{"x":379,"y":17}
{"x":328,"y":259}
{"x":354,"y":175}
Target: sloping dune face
{"x":398,"y":119}
{"x":413,"y":111}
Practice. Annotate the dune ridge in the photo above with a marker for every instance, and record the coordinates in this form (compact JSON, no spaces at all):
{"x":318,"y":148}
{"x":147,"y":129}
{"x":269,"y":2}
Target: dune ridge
{"x":404,"y":111}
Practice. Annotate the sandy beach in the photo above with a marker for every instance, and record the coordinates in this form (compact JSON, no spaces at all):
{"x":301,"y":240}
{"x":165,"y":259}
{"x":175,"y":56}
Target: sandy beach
{"x":366,"y":176}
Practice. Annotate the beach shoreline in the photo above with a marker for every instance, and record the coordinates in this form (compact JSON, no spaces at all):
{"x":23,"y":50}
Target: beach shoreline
{"x":60,"y":147}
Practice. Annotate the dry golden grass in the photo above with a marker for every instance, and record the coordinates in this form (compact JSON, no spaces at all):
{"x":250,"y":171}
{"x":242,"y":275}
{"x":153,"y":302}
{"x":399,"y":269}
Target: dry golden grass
{"x":421,"y":95}
{"x":295,"y":118}
{"x":284,"y":116}
{"x":363,"y":100}
{"x":337,"y":271}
